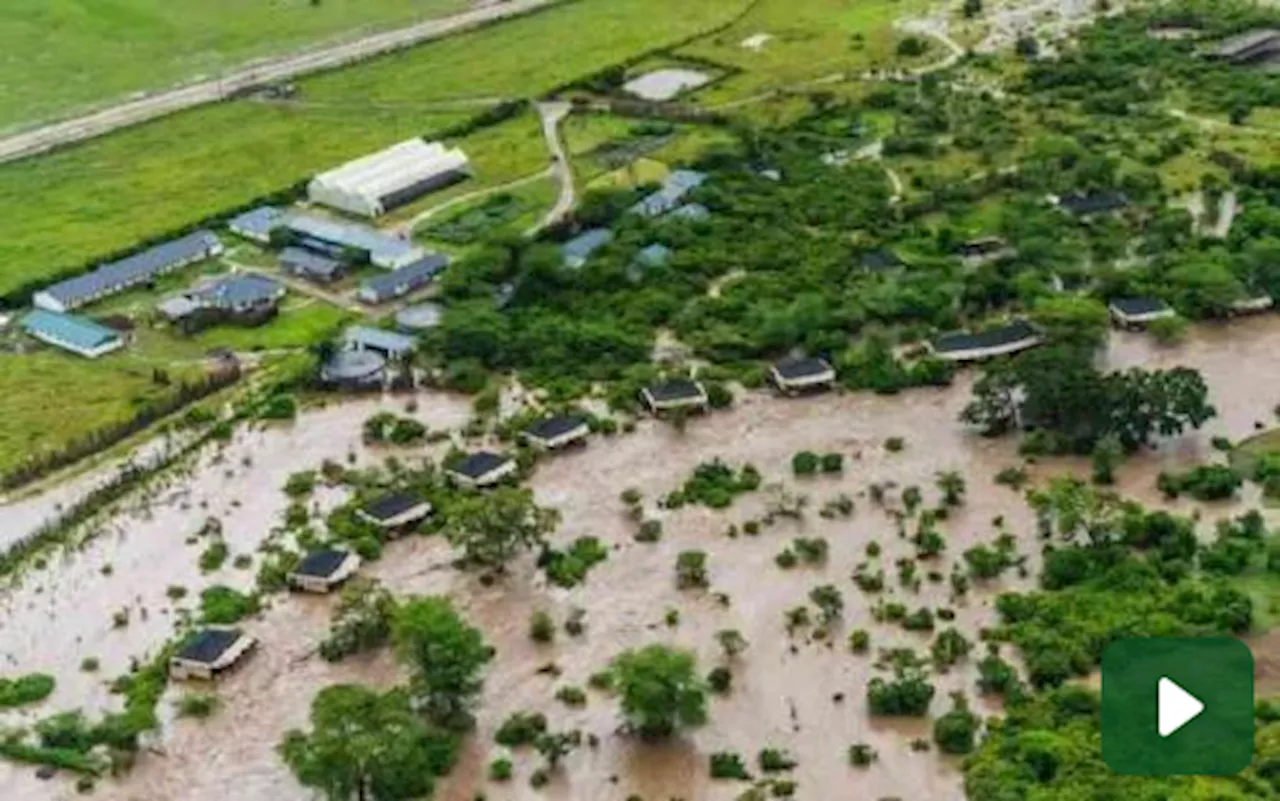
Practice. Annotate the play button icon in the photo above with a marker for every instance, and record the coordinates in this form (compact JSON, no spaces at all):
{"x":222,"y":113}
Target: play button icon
{"x":1175,"y":707}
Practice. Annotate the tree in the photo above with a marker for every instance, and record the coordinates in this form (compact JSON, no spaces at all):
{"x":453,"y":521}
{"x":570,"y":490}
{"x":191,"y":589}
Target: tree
{"x":1106,"y":456}
{"x":660,"y":690}
{"x":368,"y":746}
{"x":493,"y":527}
{"x":972,"y":8}
{"x":952,"y":485}
{"x":444,"y":656}
{"x":361,"y":621}
{"x":956,"y":731}
{"x":908,"y":694}
{"x":731,"y":642}
{"x":1072,"y":320}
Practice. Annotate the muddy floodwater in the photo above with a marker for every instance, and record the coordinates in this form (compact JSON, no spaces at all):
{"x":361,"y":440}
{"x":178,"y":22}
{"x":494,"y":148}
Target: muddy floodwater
{"x":788,"y":692}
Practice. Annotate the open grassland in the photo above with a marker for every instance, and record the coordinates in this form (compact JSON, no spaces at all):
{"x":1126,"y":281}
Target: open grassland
{"x":808,"y":39}
{"x":61,"y":210}
{"x":62,"y":54}
{"x":52,"y":398}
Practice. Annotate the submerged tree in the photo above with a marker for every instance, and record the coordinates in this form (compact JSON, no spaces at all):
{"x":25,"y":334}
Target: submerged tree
{"x":368,"y":746}
{"x":445,"y":656}
{"x":492,"y":528}
{"x":660,"y":690}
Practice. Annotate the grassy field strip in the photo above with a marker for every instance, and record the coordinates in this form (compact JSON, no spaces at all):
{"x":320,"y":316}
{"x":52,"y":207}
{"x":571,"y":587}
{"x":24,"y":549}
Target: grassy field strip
{"x":61,"y":210}
{"x":60,"y":54}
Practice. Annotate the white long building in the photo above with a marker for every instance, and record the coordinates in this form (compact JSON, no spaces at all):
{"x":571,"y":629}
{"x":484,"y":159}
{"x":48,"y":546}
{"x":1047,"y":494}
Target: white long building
{"x":375,"y":184}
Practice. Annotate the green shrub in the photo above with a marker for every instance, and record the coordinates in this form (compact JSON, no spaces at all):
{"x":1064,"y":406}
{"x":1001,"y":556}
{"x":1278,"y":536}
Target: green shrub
{"x":501,"y":770}
{"x":541,"y":627}
{"x":520,"y":729}
{"x":221,"y":605}
{"x":805,"y":463}
{"x":198,"y":705}
{"x":569,"y":568}
{"x":25,"y":690}
{"x":728,"y":765}
{"x":214,"y":557}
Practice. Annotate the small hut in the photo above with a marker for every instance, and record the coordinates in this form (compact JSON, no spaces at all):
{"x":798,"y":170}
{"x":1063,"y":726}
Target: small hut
{"x":800,"y":375}
{"x":481,"y":469}
{"x":558,"y":431}
{"x":678,"y":393}
{"x":321,"y":571}
{"x":210,"y":653}
{"x":395,"y":511}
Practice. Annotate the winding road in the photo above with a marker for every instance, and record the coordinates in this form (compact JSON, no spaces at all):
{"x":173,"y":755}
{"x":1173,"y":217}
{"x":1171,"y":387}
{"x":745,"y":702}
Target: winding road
{"x":131,"y":112}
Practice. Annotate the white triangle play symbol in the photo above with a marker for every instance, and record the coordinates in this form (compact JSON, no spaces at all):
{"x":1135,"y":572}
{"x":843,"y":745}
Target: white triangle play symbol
{"x":1176,"y":707}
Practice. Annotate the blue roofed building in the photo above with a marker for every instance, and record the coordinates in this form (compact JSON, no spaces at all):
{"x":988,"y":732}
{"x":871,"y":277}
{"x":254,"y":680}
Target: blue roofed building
{"x":674,"y":188}
{"x":691,"y":211}
{"x":316,"y":267}
{"x":577,"y":250}
{"x":655,"y":255}
{"x":71,"y":332}
{"x":384,"y":251}
{"x":398,"y":283}
{"x":257,"y":224}
{"x":140,"y":268}
{"x":387,"y":343}
{"x":241,"y":299}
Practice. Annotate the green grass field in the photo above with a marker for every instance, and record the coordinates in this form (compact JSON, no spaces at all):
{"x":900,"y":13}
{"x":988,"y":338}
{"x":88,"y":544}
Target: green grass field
{"x":61,"y":210}
{"x":63,"y":54}
{"x":52,"y":398}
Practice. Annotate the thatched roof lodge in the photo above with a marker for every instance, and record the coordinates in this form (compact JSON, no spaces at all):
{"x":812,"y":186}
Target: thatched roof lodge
{"x":323,"y":570}
{"x":798,"y":375}
{"x":557,"y":431}
{"x":1004,"y":341}
{"x":210,"y":653}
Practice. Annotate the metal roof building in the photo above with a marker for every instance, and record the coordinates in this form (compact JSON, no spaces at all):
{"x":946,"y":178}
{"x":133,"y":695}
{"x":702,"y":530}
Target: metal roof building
{"x":384,"y":251}
{"x":577,"y":250}
{"x":398,"y":283}
{"x":375,"y":184}
{"x":388,"y":343}
{"x":676,"y":185}
{"x":140,"y":268}
{"x":69,"y":332}
{"x":421,"y":317}
{"x":257,"y":224}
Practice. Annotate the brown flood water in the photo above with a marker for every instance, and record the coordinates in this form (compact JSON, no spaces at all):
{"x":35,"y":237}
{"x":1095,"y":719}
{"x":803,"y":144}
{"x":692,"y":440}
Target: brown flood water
{"x":784,"y":688}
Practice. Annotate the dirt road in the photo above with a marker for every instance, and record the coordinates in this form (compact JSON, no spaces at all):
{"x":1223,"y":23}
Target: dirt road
{"x":132,"y":112}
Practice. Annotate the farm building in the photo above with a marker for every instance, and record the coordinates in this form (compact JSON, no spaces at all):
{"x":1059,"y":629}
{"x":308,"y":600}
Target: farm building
{"x":481,"y":469}
{"x":70,"y":332}
{"x":312,"y":266}
{"x":1248,"y":47}
{"x":379,"y":340}
{"x":257,"y":224}
{"x":665,"y":84}
{"x":332,"y":237}
{"x":422,"y":317}
{"x":798,"y":375}
{"x":321,"y":571}
{"x":674,"y":188}
{"x":394,"y":511}
{"x":577,"y":250}
{"x":677,"y":393}
{"x":242,"y":299}
{"x":398,"y":283}
{"x":1138,"y":312}
{"x":1091,"y":204}
{"x":655,"y":255}
{"x":375,"y":184}
{"x":355,"y":370}
{"x":984,"y":250}
{"x":209,"y":653}
{"x":965,"y":347}
{"x":556,"y":432}
{"x":140,"y":268}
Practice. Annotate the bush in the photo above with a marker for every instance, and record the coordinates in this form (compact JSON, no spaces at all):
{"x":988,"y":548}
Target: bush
{"x":805,"y":463}
{"x":279,"y":407}
{"x":895,"y":444}
{"x":691,"y":570}
{"x":198,"y":705}
{"x":832,"y":462}
{"x":859,"y":641}
{"x":25,"y":690}
{"x":719,"y":396}
{"x":221,"y":605}
{"x":728,"y":765}
{"x":715,"y":484}
{"x":720,"y":680}
{"x":956,"y":731}
{"x":214,"y":557}
{"x":520,"y":729}
{"x":906,"y":695}
{"x":500,"y":770}
{"x":775,"y":760}
{"x":569,"y":568}
{"x":571,"y":696}
{"x":541,"y":627}
{"x":1204,"y":483}
{"x":861,"y":755}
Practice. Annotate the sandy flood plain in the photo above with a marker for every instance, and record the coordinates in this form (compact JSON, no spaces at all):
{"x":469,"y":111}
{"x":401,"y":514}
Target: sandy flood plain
{"x":784,"y":688}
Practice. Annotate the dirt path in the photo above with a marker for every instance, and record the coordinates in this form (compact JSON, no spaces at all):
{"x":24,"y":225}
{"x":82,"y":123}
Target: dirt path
{"x":132,"y":112}
{"x":552,"y":114}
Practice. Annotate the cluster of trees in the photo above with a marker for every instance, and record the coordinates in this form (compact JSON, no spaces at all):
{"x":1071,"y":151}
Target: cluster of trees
{"x":367,"y":744}
{"x":1068,"y":405}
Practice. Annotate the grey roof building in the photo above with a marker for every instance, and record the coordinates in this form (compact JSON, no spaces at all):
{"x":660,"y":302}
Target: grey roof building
{"x":691,"y":211}
{"x":674,"y":188}
{"x":1136,"y":312}
{"x":420,"y":317}
{"x":384,"y":251}
{"x":311,"y":265}
{"x":557,"y":431}
{"x":257,"y":224}
{"x":655,"y":255}
{"x":675,"y":393}
{"x":1087,"y":204}
{"x":966,"y":347}
{"x":482,"y":469}
{"x":577,"y":250}
{"x":379,"y":340}
{"x":355,"y":369}
{"x":210,"y":652}
{"x":1249,"y":46}
{"x":795,"y":375}
{"x":322,"y":570}
{"x":401,"y":282}
{"x":140,"y":268}
{"x":395,"y":510}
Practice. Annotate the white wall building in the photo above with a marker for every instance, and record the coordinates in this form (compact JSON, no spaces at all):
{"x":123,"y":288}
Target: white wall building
{"x":375,"y":184}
